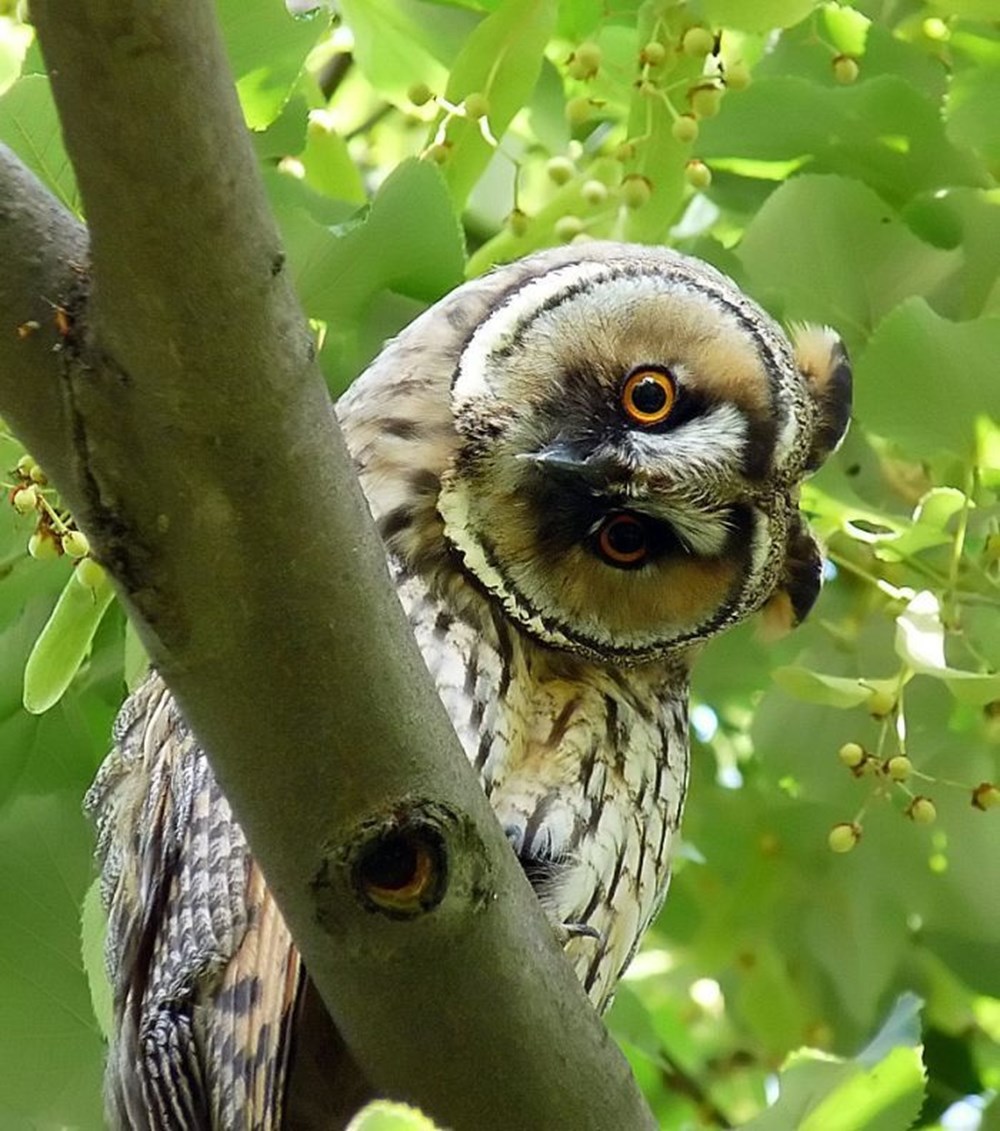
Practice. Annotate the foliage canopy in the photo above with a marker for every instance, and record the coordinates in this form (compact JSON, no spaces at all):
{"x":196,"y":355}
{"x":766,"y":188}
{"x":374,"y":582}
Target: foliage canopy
{"x":841,"y":163}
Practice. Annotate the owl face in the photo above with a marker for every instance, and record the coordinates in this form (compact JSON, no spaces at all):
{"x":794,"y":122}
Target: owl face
{"x":631,"y":433}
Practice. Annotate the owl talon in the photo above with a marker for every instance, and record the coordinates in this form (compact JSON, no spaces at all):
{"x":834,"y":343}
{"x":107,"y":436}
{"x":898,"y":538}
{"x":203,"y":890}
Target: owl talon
{"x":567,"y":931}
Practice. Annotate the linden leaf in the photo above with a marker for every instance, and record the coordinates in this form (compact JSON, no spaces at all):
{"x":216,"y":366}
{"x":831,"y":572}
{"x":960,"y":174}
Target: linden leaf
{"x":64,"y":642}
{"x":385,"y":1116}
{"x":920,"y":644}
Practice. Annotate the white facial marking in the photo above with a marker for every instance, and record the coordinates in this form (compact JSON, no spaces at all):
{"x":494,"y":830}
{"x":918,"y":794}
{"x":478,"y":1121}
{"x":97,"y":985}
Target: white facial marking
{"x":472,"y":381}
{"x":714,"y":440}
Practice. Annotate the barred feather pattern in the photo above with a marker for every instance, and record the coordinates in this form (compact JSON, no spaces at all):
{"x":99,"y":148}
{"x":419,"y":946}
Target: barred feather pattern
{"x":586,"y":771}
{"x":203,"y":971}
{"x":585,"y":766}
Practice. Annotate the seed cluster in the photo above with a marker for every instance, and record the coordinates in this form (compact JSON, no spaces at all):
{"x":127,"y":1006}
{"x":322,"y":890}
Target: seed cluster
{"x":55,"y":532}
{"x":680,"y":72}
{"x":893,"y":774}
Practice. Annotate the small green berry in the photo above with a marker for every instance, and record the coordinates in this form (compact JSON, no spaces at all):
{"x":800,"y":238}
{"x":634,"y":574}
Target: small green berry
{"x":75,"y":543}
{"x":25,"y":500}
{"x":89,"y":573}
{"x":636,"y":190}
{"x":560,"y":170}
{"x":852,"y":754}
{"x":594,"y":192}
{"x":844,"y":837}
{"x":922,"y":811}
{"x":420,"y":94}
{"x":585,"y":61}
{"x":899,"y":768}
{"x":936,"y":29}
{"x":697,"y":174}
{"x":986,"y":795}
{"x":705,"y":101}
{"x":697,"y":41}
{"x":568,"y":227}
{"x":685,"y":129}
{"x":845,"y":70}
{"x":477,"y":105}
{"x":438,"y":153}
{"x":880,"y":703}
{"x":578,"y":111}
{"x":652,"y":54}
{"x":25,"y":465}
{"x":737,"y":76}
{"x":43,"y":547}
{"x":625,"y":151}
{"x":517,"y":221}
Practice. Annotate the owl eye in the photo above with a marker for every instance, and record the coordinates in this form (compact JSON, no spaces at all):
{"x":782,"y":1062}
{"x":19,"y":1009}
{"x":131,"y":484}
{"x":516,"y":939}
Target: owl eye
{"x":622,"y":541}
{"x":647,"y":396}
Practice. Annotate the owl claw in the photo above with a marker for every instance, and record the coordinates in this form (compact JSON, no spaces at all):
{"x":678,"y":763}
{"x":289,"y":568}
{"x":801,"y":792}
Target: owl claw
{"x":567,"y":931}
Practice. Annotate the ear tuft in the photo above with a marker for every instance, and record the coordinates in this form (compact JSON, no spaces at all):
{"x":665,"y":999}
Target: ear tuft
{"x":822,"y":361}
{"x":799,"y":586}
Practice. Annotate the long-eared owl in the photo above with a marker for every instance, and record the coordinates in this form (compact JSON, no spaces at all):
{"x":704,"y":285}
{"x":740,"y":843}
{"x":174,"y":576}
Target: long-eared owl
{"x":582,"y":466}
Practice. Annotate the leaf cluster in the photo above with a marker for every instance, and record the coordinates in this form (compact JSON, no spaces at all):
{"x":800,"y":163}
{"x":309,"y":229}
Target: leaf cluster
{"x":841,"y":163}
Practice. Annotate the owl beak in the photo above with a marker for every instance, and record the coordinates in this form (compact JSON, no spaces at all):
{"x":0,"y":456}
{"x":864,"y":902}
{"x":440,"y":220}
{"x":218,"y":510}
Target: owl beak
{"x":562,"y":459}
{"x":558,"y":458}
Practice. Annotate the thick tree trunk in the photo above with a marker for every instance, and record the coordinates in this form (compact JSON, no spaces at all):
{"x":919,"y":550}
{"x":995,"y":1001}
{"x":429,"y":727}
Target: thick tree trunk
{"x":183,"y":417}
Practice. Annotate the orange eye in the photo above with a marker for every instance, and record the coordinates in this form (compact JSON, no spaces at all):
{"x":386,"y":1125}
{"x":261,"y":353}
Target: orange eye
{"x":622,"y":541}
{"x":648,"y":395}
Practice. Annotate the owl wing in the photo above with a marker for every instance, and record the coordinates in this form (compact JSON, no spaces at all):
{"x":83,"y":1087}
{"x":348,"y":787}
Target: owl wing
{"x":204,"y":974}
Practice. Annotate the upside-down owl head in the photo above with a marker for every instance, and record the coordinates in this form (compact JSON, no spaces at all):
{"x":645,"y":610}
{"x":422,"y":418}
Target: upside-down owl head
{"x":607,"y":440}
{"x":633,"y":434}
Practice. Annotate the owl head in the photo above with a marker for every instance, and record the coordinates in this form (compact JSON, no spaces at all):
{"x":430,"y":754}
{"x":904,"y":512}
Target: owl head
{"x":626,"y":433}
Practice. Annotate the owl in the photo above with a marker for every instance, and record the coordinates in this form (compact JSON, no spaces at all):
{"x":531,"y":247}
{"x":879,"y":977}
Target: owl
{"x":582,"y":466}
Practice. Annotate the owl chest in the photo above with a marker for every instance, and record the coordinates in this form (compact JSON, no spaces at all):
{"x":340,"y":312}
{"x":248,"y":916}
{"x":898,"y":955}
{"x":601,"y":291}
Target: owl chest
{"x":585,"y":768}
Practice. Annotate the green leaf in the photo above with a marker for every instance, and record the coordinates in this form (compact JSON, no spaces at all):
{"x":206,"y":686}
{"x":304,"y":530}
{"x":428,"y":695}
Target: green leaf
{"x":851,"y":261}
{"x":967,"y":219}
{"x":974,"y":109}
{"x":938,"y":506}
{"x":847,"y":28}
{"x":756,"y":15}
{"x":901,"y":1029}
{"x":328,"y":166}
{"x":880,"y":1090}
{"x":882,"y":131}
{"x":385,"y":1116}
{"x":50,"y":1043}
{"x":136,"y":658}
{"x":966,"y":9}
{"x":398,"y":43}
{"x":267,"y":49}
{"x":286,"y":135}
{"x":93,"y":930}
{"x":830,"y":690}
{"x":923,"y":381}
{"x":14,"y":41}
{"x":409,"y":243}
{"x":64,"y":643}
{"x":30,"y":126}
{"x":771,"y":999}
{"x":920,"y":638}
{"x":501,"y":59}
{"x":578,"y":19}
{"x":886,"y":1098}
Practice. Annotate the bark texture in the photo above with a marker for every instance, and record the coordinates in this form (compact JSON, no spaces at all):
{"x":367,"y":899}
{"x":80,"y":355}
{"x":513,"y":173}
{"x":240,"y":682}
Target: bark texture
{"x":183,"y":417}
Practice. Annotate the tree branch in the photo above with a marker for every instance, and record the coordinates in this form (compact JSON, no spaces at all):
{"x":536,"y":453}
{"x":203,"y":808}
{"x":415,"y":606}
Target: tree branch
{"x":43,"y":250}
{"x":188,"y":426}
